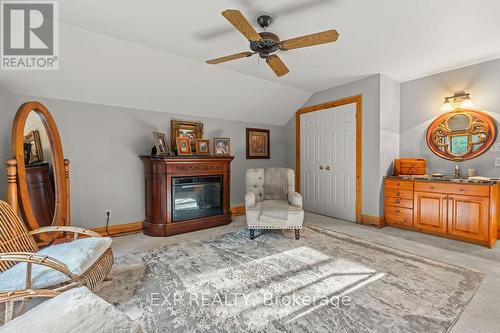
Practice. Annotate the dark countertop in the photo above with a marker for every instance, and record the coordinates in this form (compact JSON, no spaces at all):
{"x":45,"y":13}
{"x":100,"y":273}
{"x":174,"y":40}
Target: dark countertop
{"x":445,"y":179}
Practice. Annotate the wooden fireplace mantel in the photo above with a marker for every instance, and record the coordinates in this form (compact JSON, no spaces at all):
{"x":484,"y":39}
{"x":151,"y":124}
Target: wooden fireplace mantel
{"x":159,"y":172}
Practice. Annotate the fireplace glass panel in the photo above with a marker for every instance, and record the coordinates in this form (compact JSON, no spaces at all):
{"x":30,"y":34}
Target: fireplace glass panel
{"x":195,"y":197}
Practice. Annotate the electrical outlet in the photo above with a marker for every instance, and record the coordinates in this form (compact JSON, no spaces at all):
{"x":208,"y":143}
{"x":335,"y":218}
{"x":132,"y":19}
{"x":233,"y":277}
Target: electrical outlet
{"x":497,"y":162}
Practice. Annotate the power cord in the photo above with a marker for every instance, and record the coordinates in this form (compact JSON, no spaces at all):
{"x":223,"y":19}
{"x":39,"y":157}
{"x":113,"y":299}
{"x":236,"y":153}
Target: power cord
{"x":108,"y":217}
{"x":108,"y":213}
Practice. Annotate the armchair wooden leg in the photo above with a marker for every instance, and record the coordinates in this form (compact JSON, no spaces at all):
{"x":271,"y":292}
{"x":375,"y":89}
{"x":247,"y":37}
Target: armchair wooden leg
{"x":297,"y":233}
{"x":252,"y":234}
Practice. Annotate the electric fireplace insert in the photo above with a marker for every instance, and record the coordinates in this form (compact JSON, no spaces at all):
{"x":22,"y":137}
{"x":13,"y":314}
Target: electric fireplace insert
{"x":195,"y":197}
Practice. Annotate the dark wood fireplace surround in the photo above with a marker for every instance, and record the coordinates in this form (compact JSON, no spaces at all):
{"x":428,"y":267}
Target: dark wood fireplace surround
{"x":159,"y":172}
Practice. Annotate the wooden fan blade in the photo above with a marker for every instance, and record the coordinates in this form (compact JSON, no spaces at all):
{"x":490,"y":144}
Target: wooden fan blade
{"x":236,"y":18}
{"x":230,"y":57}
{"x":278,"y":67}
{"x":328,"y":36}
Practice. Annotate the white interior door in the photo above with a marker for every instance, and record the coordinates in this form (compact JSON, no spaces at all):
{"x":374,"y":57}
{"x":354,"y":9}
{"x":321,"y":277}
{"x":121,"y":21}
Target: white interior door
{"x":340,"y":161}
{"x":311,"y":128}
{"x":328,"y":161}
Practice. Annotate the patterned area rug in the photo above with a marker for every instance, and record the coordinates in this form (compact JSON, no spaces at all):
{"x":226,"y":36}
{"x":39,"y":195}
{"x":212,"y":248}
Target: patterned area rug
{"x":324,"y":282}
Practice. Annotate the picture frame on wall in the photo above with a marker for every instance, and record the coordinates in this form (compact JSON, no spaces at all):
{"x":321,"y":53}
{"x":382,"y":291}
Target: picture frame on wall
{"x":191,"y":129}
{"x":222,"y":146}
{"x":202,"y":147}
{"x":258,"y":142}
{"x":161,"y":144}
{"x":35,"y":150}
{"x":183,"y":146}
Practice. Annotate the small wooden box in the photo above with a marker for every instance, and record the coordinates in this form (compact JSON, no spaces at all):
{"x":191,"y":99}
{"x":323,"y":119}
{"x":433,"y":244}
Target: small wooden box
{"x":410,"y":166}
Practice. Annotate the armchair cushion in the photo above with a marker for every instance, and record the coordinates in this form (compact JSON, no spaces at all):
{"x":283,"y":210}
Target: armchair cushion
{"x":78,"y":255}
{"x":75,"y":310}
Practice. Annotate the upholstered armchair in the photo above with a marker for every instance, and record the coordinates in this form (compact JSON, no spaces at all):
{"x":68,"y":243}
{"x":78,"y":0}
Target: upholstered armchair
{"x":271,"y":201}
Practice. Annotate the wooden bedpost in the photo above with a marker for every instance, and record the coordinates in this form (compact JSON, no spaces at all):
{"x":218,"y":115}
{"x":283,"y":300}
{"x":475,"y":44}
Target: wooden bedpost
{"x":11,"y":196}
{"x":66,"y":172}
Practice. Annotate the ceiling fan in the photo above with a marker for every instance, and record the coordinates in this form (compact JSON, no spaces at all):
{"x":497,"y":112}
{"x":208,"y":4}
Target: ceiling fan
{"x":266,"y":43}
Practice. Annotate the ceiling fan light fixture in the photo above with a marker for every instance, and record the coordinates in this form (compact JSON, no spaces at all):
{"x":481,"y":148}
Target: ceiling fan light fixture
{"x":447,"y":106}
{"x":467,"y":103}
{"x":459,"y":100}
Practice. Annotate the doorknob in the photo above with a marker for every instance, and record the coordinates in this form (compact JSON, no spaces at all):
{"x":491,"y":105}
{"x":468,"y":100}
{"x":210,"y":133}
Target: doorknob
{"x":321,"y":167}
{"x":327,"y":168}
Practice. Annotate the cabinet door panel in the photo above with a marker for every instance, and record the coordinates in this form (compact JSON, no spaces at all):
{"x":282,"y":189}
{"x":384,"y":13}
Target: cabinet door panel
{"x":468,"y":217}
{"x":430,"y":212}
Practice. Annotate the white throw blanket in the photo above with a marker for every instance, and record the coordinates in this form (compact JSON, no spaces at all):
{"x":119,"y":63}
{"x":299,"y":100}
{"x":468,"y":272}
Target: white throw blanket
{"x":74,"y":311}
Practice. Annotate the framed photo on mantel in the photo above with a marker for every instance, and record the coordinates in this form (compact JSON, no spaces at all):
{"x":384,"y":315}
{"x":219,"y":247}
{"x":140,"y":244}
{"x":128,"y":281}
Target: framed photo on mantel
{"x":258,"y":143}
{"x":190,"y":129}
{"x":161,"y":144}
{"x":222,"y":146}
{"x":183,"y":146}
{"x":202,"y":147}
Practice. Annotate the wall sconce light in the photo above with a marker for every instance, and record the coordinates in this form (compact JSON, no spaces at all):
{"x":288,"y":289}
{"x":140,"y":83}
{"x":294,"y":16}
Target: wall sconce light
{"x":460,"y":100}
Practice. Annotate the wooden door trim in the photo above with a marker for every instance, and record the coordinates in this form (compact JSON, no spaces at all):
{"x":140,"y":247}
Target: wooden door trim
{"x":358,"y":100}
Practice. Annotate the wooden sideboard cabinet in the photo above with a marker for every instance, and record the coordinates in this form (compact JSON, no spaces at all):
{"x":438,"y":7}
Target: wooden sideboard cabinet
{"x":462,"y":211}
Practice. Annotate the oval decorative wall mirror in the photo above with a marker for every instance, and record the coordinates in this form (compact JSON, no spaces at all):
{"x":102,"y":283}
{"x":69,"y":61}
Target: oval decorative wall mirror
{"x":461,"y":134}
{"x":42,"y":172}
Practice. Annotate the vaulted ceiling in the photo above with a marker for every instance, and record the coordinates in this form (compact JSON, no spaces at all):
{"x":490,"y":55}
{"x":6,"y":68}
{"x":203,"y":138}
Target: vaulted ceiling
{"x":150,"y":54}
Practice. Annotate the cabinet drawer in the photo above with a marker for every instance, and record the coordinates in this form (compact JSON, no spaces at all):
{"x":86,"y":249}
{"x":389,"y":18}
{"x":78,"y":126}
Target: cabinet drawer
{"x":397,"y":215}
{"x":402,"y":194}
{"x":410,"y":166}
{"x":399,"y":184}
{"x":404,"y":203}
{"x":413,"y":171}
{"x":465,"y":189}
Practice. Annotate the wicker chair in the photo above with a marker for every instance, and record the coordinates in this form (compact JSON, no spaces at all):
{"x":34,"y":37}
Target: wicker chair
{"x":17,"y":245}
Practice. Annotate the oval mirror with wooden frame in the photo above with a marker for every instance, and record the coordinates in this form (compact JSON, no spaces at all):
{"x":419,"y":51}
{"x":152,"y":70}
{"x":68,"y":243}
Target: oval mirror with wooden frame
{"x":461,"y":134}
{"x":42,"y":171}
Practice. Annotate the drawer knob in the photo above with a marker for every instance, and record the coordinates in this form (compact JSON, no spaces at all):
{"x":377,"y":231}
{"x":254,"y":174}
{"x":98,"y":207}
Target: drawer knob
{"x":398,"y":194}
{"x":432,"y":187}
{"x":397,"y":201}
{"x":397,"y":211}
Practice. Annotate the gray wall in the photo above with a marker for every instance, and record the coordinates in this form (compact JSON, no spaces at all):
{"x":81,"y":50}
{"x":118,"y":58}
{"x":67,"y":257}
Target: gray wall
{"x":103,"y":144}
{"x":389,"y":129}
{"x":422,"y":99}
{"x":369,"y":88}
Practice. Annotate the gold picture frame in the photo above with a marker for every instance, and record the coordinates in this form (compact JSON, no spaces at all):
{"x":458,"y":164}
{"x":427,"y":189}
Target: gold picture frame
{"x":181,"y":128}
{"x":202,"y":147}
{"x":184,"y":146}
